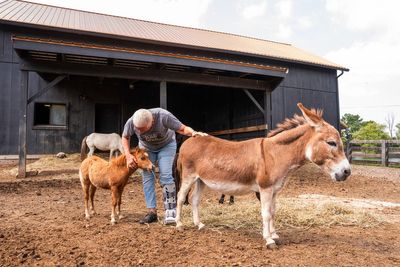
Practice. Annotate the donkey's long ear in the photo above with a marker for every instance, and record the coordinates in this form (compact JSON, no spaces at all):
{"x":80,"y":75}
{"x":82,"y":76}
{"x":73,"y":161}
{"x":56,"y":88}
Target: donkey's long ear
{"x":313,"y":119}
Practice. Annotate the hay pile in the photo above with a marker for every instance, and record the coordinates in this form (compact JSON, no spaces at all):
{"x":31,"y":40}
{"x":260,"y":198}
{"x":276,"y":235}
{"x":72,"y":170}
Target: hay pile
{"x":291,"y":213}
{"x":52,"y":163}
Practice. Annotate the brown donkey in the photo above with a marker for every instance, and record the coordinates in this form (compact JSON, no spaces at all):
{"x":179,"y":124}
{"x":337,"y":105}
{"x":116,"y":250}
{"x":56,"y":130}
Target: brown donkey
{"x":259,"y":165}
{"x":96,"y":172}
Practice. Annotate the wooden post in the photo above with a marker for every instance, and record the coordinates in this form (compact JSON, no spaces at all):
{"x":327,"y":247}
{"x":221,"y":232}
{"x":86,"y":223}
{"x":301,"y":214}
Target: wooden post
{"x":163,"y":94}
{"x":384,"y":153}
{"x":267,"y":111}
{"x":22,"y":124}
{"x":349,"y":151}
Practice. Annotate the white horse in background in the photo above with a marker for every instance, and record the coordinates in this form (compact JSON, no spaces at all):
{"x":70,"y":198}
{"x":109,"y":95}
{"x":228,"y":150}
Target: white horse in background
{"x":103,"y":142}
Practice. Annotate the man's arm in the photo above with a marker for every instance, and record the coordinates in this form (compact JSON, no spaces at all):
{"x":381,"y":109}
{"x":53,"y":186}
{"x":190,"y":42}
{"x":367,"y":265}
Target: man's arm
{"x":130,"y":160}
{"x":188,"y":131}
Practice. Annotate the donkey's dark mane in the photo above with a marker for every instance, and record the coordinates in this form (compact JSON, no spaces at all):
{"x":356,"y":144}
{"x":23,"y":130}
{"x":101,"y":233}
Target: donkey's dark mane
{"x":294,"y":122}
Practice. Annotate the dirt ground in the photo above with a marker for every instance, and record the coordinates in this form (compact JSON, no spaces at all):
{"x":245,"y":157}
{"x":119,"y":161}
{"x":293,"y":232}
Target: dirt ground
{"x":42,"y":224}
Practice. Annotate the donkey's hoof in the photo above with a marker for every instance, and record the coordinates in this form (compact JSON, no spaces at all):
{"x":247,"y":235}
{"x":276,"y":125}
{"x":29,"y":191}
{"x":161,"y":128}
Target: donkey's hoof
{"x":272,"y":246}
{"x":278,"y":242}
{"x":200,"y":226}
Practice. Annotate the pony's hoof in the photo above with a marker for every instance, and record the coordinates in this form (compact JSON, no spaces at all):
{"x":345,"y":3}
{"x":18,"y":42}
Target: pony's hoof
{"x":272,"y":246}
{"x":113,"y":222}
{"x":87,"y":217}
{"x":200,"y":226}
{"x":120,"y":217}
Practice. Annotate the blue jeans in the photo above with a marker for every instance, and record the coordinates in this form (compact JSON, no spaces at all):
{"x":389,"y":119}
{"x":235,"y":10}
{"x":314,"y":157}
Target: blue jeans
{"x":165,"y":158}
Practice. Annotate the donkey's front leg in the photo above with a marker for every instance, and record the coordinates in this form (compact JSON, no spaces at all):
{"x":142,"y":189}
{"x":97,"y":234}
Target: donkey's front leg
{"x":274,"y":235}
{"x":266,"y":195}
{"x":187,"y":182}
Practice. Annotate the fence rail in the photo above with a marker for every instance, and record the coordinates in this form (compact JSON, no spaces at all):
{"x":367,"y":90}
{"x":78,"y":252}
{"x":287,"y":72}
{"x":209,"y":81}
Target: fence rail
{"x":383,"y":152}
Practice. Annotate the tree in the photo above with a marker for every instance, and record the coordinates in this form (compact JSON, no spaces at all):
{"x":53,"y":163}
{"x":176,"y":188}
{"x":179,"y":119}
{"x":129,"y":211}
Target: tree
{"x":390,"y":123}
{"x":354,"y":122}
{"x":371,"y":130}
{"x":398,"y":131}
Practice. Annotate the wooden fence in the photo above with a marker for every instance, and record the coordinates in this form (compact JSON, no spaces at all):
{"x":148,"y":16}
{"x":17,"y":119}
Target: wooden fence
{"x":376,"y":152}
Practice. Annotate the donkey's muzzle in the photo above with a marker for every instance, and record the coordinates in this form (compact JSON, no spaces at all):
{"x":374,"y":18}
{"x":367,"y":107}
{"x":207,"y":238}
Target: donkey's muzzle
{"x":342,"y":176}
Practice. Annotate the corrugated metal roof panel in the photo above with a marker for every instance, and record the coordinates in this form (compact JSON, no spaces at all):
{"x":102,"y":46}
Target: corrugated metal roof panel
{"x":64,"y":18}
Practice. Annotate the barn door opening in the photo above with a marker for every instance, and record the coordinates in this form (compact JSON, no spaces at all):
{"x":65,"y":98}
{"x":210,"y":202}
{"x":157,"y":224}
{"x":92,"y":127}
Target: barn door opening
{"x":107,"y":118}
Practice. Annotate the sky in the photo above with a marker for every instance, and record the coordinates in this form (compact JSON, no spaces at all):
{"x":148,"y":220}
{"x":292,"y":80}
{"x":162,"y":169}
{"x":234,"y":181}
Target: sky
{"x":362,"y":35}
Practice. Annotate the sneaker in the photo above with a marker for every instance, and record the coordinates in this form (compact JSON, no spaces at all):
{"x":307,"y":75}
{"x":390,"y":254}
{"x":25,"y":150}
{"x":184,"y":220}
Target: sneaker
{"x":149,"y":218}
{"x":169,"y":217}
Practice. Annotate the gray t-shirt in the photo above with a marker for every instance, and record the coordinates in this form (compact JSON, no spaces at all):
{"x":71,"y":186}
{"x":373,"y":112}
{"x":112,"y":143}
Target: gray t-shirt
{"x":160,"y":134}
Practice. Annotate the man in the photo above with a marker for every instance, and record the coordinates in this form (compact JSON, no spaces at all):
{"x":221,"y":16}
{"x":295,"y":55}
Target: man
{"x":155,"y":129}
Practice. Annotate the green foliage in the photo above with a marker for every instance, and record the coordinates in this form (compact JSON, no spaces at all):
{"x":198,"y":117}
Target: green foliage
{"x":398,"y":131}
{"x":371,"y":130}
{"x":354,"y":122}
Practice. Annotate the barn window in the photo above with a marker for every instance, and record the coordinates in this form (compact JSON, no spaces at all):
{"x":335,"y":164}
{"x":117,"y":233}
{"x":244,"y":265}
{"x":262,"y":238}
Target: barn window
{"x":50,"y":115}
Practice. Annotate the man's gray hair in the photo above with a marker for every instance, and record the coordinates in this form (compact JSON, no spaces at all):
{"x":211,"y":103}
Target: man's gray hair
{"x":142,"y":118}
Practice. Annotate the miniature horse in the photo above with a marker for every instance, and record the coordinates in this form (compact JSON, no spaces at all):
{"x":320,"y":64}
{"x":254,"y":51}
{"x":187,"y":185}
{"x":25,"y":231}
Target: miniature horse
{"x":260,"y":164}
{"x":103,"y":142}
{"x":96,"y":172}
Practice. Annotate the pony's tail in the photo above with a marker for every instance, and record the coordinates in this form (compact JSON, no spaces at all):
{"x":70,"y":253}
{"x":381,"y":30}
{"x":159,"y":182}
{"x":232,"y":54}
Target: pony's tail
{"x":84,"y":148}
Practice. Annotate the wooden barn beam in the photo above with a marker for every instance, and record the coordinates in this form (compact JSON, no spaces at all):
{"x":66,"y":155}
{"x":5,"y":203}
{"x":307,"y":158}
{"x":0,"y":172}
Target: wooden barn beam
{"x":142,"y":74}
{"x":47,"y":88}
{"x":268,"y":110}
{"x":254,"y":100}
{"x":22,"y":123}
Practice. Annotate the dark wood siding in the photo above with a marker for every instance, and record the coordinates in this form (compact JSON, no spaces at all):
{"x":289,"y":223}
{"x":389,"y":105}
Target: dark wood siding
{"x":316,"y":88}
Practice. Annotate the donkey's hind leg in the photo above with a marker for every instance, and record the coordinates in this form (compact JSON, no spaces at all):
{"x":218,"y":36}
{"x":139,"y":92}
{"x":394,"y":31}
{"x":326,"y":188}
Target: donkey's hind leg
{"x":92,"y":192}
{"x":187,"y":183}
{"x":196,"y":197}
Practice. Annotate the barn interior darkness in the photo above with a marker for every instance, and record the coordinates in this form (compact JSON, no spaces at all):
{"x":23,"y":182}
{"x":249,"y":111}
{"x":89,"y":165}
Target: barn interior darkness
{"x":204,"y":108}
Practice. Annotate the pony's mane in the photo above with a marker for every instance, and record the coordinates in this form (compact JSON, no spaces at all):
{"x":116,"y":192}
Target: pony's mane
{"x":294,"y":122}
{"x":120,"y":160}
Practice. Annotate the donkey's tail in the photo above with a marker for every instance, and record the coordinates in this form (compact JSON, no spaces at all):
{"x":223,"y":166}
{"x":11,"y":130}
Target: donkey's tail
{"x":176,"y":173}
{"x":177,"y":170}
{"x":84,"y":148}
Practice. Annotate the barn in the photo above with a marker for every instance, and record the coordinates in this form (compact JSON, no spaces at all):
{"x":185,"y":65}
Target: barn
{"x":65,"y":73}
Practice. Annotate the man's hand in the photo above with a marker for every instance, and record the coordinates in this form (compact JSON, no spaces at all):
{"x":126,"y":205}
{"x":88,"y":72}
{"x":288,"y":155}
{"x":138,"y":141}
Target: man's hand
{"x":199,"y":133}
{"x":130,"y":161}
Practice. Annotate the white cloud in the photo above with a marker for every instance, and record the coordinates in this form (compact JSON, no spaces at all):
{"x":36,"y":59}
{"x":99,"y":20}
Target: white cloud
{"x":284,"y":9}
{"x":304,"y":23}
{"x":255,"y":10}
{"x":371,"y":88}
{"x":365,"y":15}
{"x":284,"y":31}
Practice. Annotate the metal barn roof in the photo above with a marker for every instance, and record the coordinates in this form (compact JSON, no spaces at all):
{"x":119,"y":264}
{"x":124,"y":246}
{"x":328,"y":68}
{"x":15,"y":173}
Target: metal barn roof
{"x":59,"y":18}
